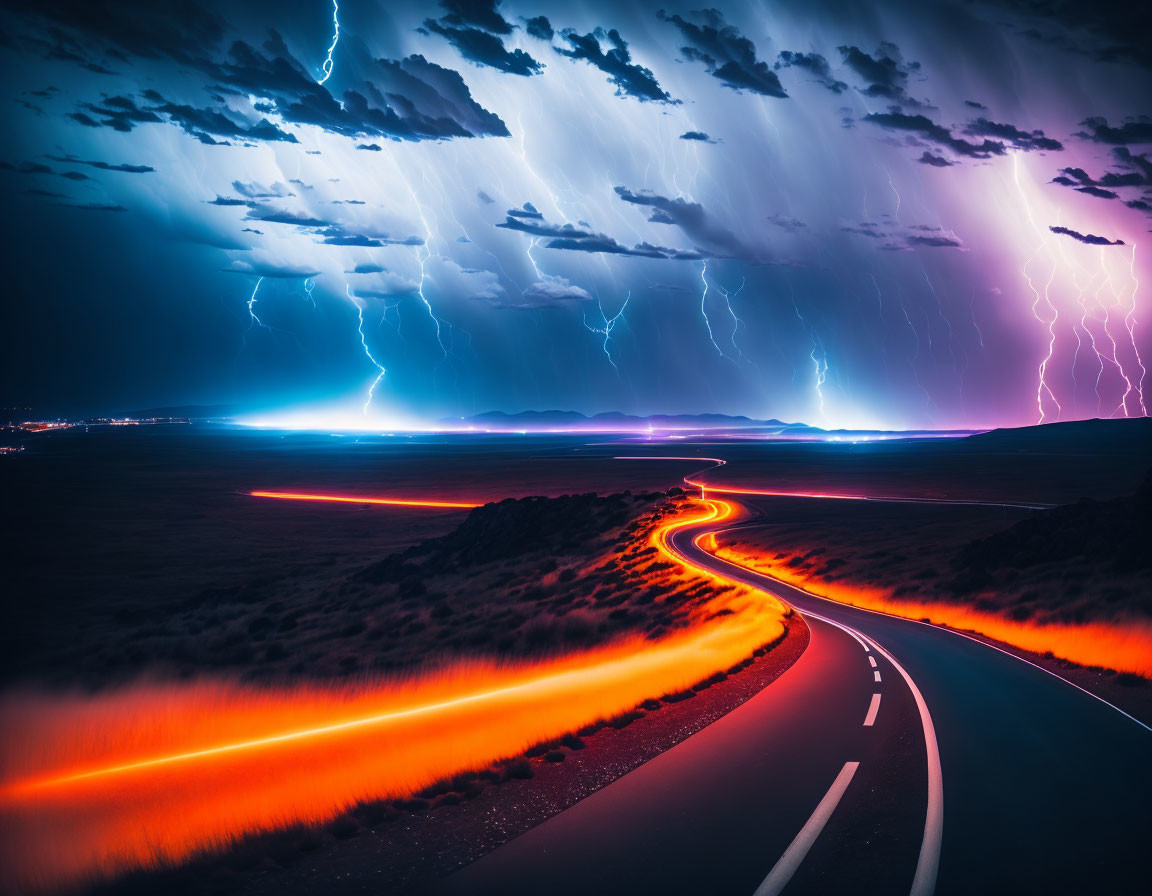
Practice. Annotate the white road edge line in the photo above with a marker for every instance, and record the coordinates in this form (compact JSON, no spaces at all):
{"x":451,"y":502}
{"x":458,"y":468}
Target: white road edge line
{"x":788,"y":863}
{"x":928,"y":864}
{"x":873,"y":708}
{"x":949,"y":630}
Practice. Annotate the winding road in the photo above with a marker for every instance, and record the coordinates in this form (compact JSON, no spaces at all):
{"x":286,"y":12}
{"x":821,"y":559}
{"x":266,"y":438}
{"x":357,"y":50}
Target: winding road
{"x":892,"y":757}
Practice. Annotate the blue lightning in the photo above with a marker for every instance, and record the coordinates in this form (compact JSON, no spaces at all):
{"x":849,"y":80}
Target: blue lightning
{"x":609,"y":327}
{"x":737,"y":323}
{"x":704,"y":310}
{"x":252,"y":307}
{"x":821,"y":363}
{"x":327,"y":67}
{"x":364,"y":343}
{"x":310,"y":285}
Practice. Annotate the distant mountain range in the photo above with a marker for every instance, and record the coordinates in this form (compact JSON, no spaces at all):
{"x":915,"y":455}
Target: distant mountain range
{"x":616,"y":420}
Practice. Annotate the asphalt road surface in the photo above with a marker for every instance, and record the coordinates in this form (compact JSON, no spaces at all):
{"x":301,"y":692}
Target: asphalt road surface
{"x":893,"y":757}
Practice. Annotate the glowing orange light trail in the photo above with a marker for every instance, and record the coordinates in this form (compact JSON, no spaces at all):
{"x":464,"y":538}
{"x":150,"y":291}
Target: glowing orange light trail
{"x":363,"y":499}
{"x":152,"y":774}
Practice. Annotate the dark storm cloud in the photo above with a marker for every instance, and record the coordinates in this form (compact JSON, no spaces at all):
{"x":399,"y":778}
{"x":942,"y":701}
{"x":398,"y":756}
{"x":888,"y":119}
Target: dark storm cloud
{"x":227,"y":201}
{"x":528,"y":211}
{"x":813,"y":63}
{"x":935,"y":161}
{"x":629,"y":79}
{"x":1135,"y":131}
{"x":484,"y":48}
{"x":606,"y":244}
{"x":574,"y":239}
{"x":1026,"y":140}
{"x":26,"y":168}
{"x":104,"y":166}
{"x":565,"y":231}
{"x":1138,"y":173}
{"x":885,"y":73}
{"x":472,"y":26}
{"x":539,"y":27}
{"x":338,"y":235}
{"x":691,"y":218}
{"x":207,"y":124}
{"x":975,"y":105}
{"x":942,"y":242}
{"x":924,"y":127}
{"x":1140,"y":163}
{"x":1098,"y":192}
{"x":267,"y":215}
{"x":786,"y":223}
{"x":476,"y":13}
{"x":422,"y":91}
{"x":699,"y":136}
{"x":409,"y":99}
{"x":353,"y":239}
{"x":905,"y":239}
{"x":368,"y":269}
{"x":370,"y":147}
{"x":120,"y":113}
{"x":727,"y":54}
{"x":1089,"y":238}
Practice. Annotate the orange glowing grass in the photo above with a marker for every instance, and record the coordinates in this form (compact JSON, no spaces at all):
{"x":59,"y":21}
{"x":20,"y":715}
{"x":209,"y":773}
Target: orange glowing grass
{"x":358,"y":499}
{"x":1123,"y":646}
{"x":149,"y":775}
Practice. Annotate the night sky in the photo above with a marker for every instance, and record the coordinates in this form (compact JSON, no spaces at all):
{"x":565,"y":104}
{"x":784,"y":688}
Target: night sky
{"x":873,"y":214}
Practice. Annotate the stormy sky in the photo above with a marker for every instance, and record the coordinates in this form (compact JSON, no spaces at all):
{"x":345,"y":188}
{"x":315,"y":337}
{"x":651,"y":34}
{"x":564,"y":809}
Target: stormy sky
{"x":896,"y":214}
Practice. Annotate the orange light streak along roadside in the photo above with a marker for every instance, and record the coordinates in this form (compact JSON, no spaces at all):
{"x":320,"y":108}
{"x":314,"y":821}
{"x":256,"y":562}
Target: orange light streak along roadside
{"x":357,"y":499}
{"x":150,"y":775}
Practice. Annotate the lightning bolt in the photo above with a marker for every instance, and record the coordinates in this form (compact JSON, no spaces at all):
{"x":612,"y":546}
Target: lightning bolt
{"x":1115,"y":359}
{"x":704,"y":310}
{"x":1042,"y":386}
{"x":821,"y":363}
{"x":1130,"y":325}
{"x":327,"y":67}
{"x":255,"y":319}
{"x":359,"y":303}
{"x":737,"y":323}
{"x":310,"y":285}
{"x":609,"y":327}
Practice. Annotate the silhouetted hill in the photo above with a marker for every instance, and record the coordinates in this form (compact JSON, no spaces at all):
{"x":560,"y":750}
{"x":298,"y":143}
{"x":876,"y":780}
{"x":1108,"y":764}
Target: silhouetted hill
{"x":1112,"y":535}
{"x":1129,"y":435}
